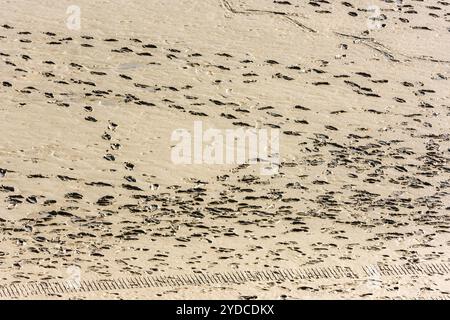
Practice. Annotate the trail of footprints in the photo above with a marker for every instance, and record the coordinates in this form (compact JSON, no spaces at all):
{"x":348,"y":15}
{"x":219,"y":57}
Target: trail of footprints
{"x":342,"y":181}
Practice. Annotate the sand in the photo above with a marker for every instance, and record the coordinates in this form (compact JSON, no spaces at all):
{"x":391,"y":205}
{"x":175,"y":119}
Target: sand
{"x":88,"y":186}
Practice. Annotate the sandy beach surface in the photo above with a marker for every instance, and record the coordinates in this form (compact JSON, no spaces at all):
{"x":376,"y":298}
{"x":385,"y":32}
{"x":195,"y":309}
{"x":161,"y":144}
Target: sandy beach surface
{"x":91,"y":93}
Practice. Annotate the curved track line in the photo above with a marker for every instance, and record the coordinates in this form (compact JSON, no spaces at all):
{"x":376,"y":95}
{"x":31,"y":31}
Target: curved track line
{"x":283,"y":15}
{"x":388,"y":53}
{"x":235,"y":277}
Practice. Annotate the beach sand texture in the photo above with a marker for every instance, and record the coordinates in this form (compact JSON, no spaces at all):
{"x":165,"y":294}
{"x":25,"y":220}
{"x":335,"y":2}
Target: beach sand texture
{"x":363,"y":110}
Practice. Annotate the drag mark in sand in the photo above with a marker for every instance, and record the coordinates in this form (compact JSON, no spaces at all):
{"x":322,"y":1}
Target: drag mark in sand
{"x":369,"y":42}
{"x":385,"y":51}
